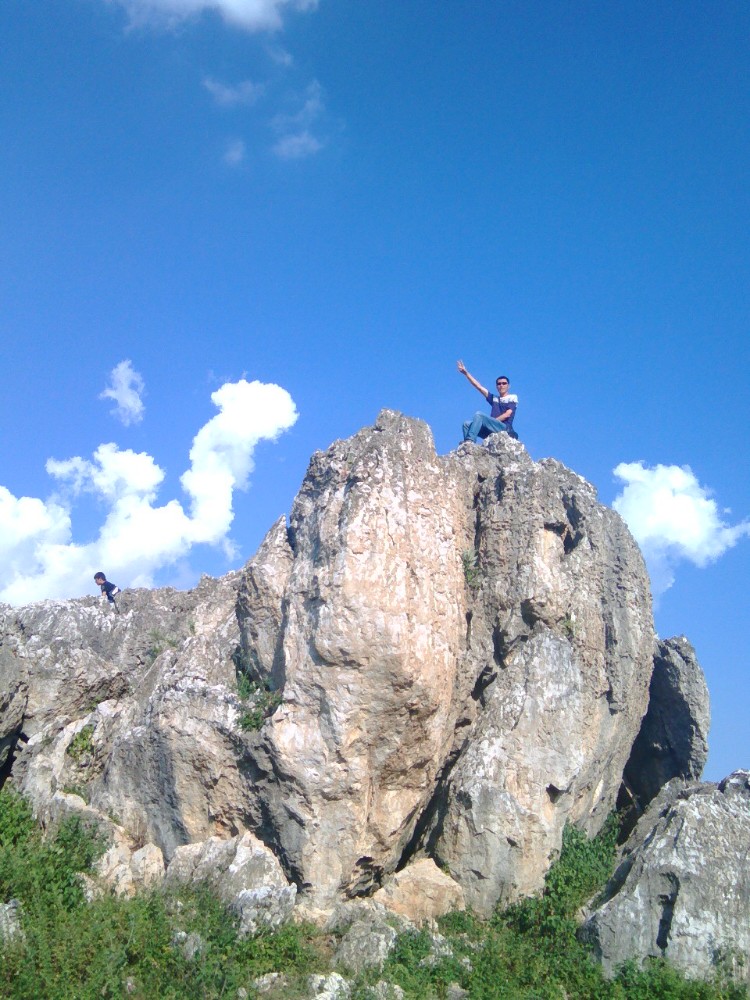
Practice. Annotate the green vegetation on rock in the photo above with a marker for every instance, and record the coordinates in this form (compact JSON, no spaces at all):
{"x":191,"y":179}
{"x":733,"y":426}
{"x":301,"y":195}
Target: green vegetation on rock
{"x":114,"y":947}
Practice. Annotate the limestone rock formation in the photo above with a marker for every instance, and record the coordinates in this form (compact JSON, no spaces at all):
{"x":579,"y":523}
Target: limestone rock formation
{"x":673,"y":740}
{"x":460,"y":647}
{"x":244,"y":873}
{"x":464,"y":646}
{"x":682,"y":888}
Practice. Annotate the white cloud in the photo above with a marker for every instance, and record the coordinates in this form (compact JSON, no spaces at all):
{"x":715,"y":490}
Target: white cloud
{"x":228,"y":96}
{"x":298,"y":146}
{"x":296,"y":138}
{"x":673,"y":518}
{"x":38,"y":557}
{"x":235,"y":152}
{"x":251,"y":15}
{"x":126,"y":388}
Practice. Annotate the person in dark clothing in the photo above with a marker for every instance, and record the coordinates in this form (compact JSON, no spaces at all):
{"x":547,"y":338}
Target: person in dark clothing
{"x":108,"y":588}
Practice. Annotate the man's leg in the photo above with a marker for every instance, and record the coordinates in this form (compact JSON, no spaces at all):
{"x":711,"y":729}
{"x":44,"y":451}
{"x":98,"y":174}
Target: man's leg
{"x":482,"y":426}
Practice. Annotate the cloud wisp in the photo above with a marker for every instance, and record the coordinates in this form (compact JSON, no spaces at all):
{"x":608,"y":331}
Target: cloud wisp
{"x":249,"y":15}
{"x":673,"y":518}
{"x":138,"y":537}
{"x":296,"y":138}
{"x":126,"y":388}
{"x":242,"y":94}
{"x":235,"y":152}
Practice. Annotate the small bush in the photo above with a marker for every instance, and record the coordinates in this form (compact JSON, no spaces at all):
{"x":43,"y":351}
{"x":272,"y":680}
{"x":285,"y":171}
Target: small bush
{"x":259,"y":702}
{"x":159,"y":642}
{"x":82,"y":744}
{"x":470,"y":563}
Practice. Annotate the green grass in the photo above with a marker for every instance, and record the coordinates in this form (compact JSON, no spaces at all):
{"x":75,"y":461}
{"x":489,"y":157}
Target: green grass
{"x":470,"y":563}
{"x":259,"y":702}
{"x":113,"y":948}
{"x":82,"y":744}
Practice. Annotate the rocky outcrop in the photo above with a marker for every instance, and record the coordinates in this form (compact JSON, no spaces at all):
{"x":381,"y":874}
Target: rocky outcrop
{"x":243,"y":873}
{"x":460,"y":650}
{"x":464,"y":645}
{"x":682,"y":888}
{"x":673,"y":740}
{"x":13,"y":701}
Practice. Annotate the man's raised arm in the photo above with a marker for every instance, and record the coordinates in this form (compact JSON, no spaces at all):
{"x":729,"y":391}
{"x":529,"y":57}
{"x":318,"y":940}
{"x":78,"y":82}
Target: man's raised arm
{"x":477,"y":385}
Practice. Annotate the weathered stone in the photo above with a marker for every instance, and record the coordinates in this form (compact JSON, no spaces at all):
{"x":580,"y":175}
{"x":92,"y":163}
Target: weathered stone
{"x":330,"y":987}
{"x":13,"y":700}
{"x":673,"y":739}
{"x":191,"y":945}
{"x":421,"y":892}
{"x":10,"y":922}
{"x":463,"y":645}
{"x":420,"y":709}
{"x":244,"y":873}
{"x":367,"y":933}
{"x":682,"y":888}
{"x":147,"y":866}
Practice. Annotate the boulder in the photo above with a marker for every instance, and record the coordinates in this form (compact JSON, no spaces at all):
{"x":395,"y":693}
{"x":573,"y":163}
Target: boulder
{"x":244,"y":874}
{"x":673,"y":739}
{"x":682,"y":888}
{"x":421,"y":892}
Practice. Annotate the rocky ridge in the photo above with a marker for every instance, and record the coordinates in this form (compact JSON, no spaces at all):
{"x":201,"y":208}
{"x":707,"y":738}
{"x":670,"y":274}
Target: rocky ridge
{"x":462,"y":654}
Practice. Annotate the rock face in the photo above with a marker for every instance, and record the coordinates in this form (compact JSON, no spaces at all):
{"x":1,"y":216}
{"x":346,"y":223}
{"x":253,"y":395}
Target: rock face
{"x":430,"y":704}
{"x":673,"y":741}
{"x":461,"y":646}
{"x":137,"y":712}
{"x":682,"y":889}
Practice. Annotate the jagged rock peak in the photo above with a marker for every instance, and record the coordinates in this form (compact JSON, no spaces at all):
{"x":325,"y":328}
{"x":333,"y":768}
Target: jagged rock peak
{"x":460,"y":649}
{"x":464,"y":644}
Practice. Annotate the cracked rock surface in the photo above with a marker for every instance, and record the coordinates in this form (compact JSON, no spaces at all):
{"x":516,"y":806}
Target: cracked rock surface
{"x":682,"y":888}
{"x":460,"y":650}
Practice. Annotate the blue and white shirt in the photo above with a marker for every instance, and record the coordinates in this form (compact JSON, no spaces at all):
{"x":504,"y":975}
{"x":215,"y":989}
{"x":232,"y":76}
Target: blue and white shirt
{"x":500,"y":404}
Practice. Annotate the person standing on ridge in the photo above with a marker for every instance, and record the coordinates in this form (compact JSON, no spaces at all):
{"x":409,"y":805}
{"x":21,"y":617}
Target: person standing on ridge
{"x":503,"y":409}
{"x":110,"y":589}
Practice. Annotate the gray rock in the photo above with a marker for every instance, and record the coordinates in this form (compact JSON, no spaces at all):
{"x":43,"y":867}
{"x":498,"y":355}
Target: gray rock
{"x":10,"y":921}
{"x":673,"y":739}
{"x":468,"y":718}
{"x":13,"y":700}
{"x":267,"y":906}
{"x":330,"y":987}
{"x":191,"y":945}
{"x":367,"y":933}
{"x":431,"y":708}
{"x":682,"y":888}
{"x":244,"y":874}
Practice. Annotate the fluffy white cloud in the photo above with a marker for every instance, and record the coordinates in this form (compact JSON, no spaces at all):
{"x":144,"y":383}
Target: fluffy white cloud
{"x":673,"y":518}
{"x":229,"y":96}
{"x":38,"y":557}
{"x":251,"y":15}
{"x":126,"y":388}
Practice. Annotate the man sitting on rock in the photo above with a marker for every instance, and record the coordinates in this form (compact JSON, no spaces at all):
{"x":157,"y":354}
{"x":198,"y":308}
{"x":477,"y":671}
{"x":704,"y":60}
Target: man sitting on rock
{"x":502,"y":412}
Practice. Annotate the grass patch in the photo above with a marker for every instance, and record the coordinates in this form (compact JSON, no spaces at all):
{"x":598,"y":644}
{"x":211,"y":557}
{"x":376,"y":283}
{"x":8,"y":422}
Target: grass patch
{"x":470,"y":563}
{"x":82,"y":744}
{"x":117,"y":948}
{"x":159,"y":642}
{"x":259,"y":701}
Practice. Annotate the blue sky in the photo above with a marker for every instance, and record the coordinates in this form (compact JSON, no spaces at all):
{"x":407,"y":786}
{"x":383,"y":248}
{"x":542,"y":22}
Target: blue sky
{"x":232,"y":231}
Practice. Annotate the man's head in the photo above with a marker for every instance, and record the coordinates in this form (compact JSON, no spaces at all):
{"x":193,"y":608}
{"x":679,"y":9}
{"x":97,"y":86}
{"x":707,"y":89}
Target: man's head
{"x":502,"y":384}
{"x":100,"y":578}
